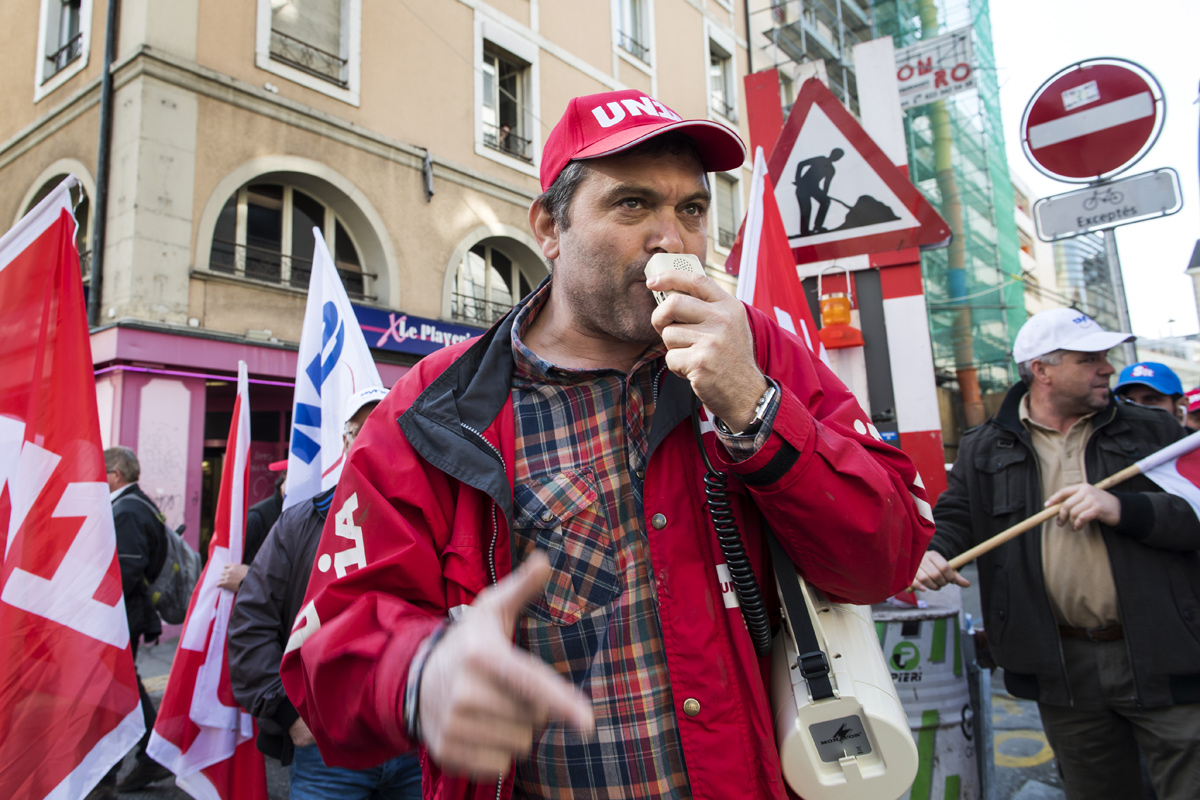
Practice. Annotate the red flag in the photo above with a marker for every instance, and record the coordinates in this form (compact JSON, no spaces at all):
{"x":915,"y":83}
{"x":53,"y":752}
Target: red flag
{"x":201,"y":734}
{"x":1176,"y":468}
{"x":767,"y":276}
{"x":69,"y":705}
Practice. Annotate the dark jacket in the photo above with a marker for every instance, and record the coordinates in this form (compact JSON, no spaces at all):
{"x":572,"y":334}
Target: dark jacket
{"x":996,"y":483}
{"x":259,"y":519}
{"x":266,"y":605}
{"x":141,"y":549}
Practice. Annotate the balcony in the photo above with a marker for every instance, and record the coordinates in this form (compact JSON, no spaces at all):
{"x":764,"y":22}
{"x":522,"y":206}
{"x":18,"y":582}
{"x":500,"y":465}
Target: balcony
{"x":503,"y":139}
{"x":633,"y":46}
{"x":307,"y":58}
{"x":273,"y":267}
{"x":476,"y":310}
{"x":64,"y":55}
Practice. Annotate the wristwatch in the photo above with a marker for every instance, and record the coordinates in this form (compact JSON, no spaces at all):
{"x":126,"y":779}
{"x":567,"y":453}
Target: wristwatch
{"x":760,"y":413}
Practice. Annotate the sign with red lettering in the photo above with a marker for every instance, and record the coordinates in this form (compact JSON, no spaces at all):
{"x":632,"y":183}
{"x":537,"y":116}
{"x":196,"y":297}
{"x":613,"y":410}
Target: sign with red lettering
{"x":933,"y":69}
{"x":1092,"y":120}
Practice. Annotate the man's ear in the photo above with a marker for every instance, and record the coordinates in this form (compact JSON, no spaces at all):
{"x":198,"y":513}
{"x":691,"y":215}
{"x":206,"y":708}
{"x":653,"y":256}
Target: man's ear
{"x":1040,"y":373}
{"x":545,"y":230}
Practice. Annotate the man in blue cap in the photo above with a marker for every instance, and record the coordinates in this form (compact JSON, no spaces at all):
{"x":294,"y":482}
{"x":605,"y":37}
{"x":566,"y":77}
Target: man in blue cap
{"x":1149,"y":383}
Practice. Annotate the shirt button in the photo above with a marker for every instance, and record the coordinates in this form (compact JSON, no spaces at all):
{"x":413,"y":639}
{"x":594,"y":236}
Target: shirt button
{"x":659,"y":521}
{"x":547,"y":515}
{"x":641,"y":473}
{"x":691,"y":706}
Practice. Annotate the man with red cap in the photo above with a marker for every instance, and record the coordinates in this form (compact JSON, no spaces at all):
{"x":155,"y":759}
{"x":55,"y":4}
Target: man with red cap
{"x":525,"y":579}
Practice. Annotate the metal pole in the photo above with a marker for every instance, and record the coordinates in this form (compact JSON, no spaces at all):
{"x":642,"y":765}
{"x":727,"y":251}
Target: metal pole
{"x":95,"y":281}
{"x":1114,"y":266}
{"x":749,"y":40}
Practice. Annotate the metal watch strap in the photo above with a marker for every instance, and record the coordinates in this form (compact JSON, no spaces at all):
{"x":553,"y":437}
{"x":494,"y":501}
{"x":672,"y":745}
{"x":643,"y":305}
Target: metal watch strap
{"x":760,"y":411}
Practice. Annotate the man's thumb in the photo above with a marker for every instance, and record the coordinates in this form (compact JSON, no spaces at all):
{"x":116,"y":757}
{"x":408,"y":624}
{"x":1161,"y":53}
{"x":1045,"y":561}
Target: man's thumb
{"x":518,"y":589}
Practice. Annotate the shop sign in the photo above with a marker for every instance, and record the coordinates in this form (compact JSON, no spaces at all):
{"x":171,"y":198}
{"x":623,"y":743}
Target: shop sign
{"x":404,"y":333}
{"x":934,"y":69}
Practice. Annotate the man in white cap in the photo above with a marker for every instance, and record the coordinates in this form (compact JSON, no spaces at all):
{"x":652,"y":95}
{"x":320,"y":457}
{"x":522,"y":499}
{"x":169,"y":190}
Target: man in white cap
{"x":539,"y":601}
{"x":1096,"y":615}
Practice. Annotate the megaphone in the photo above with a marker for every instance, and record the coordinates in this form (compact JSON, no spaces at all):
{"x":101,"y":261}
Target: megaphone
{"x":855,"y":744}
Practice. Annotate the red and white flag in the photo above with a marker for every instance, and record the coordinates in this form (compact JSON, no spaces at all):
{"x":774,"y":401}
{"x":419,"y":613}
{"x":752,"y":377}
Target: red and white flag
{"x":767,"y":276}
{"x":69,"y":705}
{"x":201,"y":733}
{"x":1176,"y":468}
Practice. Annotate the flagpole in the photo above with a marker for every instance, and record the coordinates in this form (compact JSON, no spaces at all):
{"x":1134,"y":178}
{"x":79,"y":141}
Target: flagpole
{"x":1008,"y":534}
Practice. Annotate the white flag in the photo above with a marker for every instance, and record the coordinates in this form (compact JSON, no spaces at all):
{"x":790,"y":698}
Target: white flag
{"x":334,"y":363}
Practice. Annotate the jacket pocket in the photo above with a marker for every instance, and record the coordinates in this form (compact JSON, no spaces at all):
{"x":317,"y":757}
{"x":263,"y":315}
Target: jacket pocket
{"x":1003,"y":474}
{"x":560,"y":513}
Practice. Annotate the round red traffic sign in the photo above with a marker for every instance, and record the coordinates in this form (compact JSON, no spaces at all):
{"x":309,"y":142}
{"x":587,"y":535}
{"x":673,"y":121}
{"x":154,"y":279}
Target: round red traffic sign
{"x":1092,"y":120}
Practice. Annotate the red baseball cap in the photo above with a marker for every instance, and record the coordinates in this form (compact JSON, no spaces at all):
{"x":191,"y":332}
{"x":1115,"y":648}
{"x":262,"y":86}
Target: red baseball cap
{"x":598,"y":125}
{"x":1193,"y":400}
{"x":278,"y":466}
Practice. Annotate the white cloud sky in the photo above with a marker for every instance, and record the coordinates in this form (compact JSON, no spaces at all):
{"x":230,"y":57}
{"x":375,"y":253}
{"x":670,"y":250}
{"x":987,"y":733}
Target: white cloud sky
{"x":1033,"y":40}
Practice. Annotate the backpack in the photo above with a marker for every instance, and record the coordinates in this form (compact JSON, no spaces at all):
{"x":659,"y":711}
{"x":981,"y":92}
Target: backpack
{"x":171,"y":591}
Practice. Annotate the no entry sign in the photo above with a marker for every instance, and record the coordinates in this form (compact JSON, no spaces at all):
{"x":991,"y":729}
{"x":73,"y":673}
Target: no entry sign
{"x":1092,"y":120}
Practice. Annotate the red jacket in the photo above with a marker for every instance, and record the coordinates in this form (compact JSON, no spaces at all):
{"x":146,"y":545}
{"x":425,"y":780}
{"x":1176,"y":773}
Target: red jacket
{"x":429,"y":484}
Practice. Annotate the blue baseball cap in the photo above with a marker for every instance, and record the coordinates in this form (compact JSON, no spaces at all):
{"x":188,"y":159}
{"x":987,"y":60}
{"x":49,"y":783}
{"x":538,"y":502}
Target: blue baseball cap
{"x":1157,"y":376}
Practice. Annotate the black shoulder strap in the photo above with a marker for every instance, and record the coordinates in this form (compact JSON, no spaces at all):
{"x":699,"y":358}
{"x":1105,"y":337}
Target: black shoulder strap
{"x":813,"y":663}
{"x":143,"y":501}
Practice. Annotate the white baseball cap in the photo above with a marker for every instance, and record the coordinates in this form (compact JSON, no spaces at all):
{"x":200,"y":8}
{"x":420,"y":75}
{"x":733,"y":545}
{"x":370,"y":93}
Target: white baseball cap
{"x":1063,"y":329}
{"x":372,"y":394}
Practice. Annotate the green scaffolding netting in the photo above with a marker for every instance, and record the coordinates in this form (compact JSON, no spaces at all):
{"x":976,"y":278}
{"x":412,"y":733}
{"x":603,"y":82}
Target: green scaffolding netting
{"x":975,"y":295}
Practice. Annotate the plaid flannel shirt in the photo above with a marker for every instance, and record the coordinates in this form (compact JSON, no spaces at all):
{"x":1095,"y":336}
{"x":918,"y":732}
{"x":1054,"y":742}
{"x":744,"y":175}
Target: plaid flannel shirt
{"x":581,"y":453}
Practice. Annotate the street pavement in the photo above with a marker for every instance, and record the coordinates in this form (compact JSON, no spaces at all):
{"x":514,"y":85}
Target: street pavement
{"x":1024,"y":763}
{"x":154,"y":664}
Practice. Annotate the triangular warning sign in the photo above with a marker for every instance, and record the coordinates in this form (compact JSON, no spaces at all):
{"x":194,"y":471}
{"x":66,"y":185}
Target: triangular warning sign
{"x":838,"y":193}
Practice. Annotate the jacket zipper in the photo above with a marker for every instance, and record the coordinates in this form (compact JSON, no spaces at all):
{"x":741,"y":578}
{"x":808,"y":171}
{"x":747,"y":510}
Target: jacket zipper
{"x":492,"y":550}
{"x":495,"y":527}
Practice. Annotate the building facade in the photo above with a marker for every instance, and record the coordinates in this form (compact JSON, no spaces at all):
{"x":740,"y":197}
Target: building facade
{"x":409,"y":134}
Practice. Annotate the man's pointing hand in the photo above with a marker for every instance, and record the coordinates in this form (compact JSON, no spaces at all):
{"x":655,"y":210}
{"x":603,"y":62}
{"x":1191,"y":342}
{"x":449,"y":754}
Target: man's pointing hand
{"x":481,"y":698}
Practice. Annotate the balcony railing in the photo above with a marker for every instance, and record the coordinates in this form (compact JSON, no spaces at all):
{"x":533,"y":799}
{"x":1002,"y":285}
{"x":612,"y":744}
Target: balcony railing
{"x":271,"y":266}
{"x":725,"y":238}
{"x":506,"y":141}
{"x":723,"y":108}
{"x":307,"y":58}
{"x":466,"y":308}
{"x":64,"y":55}
{"x":633,"y":46}
{"x":85,"y":264}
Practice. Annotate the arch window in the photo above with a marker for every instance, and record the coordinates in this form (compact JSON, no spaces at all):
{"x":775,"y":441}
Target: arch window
{"x":83,"y":216}
{"x":265,"y":233}
{"x":487,"y":286}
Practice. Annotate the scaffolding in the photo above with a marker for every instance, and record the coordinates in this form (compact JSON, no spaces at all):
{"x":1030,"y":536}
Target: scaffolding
{"x":974,"y":288}
{"x":956,"y":157}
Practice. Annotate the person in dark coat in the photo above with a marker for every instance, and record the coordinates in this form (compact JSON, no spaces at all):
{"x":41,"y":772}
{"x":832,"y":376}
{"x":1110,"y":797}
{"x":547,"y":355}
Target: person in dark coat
{"x":270,"y":597}
{"x":262,"y":515}
{"x":142,"y":550}
{"x":259,"y":520}
{"x":1095,"y":615}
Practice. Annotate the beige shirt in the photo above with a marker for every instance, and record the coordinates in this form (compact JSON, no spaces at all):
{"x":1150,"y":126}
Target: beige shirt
{"x":1074,"y":563}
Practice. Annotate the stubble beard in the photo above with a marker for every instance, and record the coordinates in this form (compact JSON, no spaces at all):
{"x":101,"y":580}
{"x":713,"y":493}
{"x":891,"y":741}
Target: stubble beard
{"x":617,"y":308}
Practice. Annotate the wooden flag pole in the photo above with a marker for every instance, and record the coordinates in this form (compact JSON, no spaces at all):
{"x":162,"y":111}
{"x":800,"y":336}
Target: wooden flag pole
{"x":1008,"y":534}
